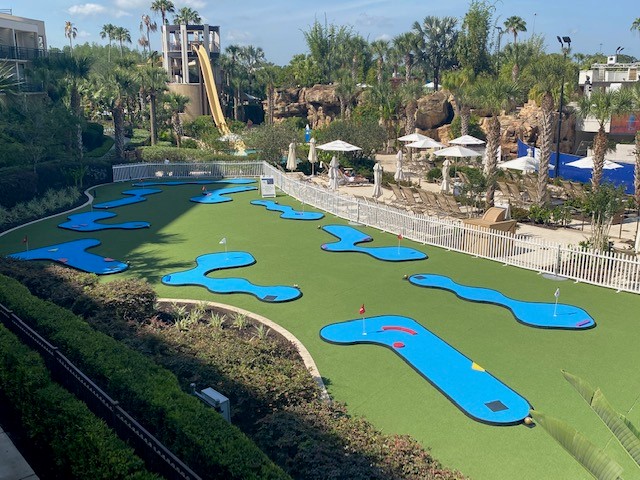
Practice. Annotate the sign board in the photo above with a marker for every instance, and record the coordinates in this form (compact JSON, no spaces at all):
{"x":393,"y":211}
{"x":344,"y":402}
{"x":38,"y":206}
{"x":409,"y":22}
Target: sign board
{"x":267,"y":187}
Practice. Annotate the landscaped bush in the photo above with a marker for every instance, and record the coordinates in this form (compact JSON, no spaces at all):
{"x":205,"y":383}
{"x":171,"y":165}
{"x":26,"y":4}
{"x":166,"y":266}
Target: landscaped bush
{"x":101,"y":150}
{"x":159,"y":154}
{"x":132,"y":300}
{"x":52,"y":201}
{"x":92,"y":136}
{"x":70,"y":441}
{"x":194,"y":432}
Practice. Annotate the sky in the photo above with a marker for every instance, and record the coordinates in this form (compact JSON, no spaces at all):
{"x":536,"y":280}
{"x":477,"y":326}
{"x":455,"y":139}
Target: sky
{"x":276,"y":25}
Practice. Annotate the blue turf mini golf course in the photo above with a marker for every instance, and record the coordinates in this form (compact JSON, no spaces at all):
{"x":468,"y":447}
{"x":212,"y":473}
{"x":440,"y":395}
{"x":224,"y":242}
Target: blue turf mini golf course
{"x":218,"y":261}
{"x":470,"y":387}
{"x":217,"y":196}
{"x":535,"y":314}
{"x":172,"y":183}
{"x":288,"y":213}
{"x":135,"y":196}
{"x":349,"y":237}
{"x":87,"y":222}
{"x":73,"y":254}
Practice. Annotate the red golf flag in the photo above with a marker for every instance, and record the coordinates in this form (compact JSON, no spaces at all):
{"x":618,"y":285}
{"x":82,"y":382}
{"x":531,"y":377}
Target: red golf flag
{"x":25,"y":239}
{"x":399,"y":236}
{"x":362,"y":310}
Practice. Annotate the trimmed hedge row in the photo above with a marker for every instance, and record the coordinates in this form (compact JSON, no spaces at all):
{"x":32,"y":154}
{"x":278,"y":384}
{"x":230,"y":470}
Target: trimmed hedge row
{"x":194,"y":432}
{"x":159,"y":154}
{"x":64,"y":432}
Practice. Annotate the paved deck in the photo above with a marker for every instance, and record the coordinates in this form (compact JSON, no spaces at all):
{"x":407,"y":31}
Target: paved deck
{"x":13,"y":466}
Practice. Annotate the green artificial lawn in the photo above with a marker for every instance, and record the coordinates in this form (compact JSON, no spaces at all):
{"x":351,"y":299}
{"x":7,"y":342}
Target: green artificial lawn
{"x":373,"y":381}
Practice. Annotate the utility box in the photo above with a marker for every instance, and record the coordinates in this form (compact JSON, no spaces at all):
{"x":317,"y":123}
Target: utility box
{"x":216,"y":400}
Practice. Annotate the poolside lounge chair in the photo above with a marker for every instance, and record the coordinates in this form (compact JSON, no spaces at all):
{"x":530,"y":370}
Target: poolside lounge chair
{"x":411,"y":200}
{"x":493,"y":219}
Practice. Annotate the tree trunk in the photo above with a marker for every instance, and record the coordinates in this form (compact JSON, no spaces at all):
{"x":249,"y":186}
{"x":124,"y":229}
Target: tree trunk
{"x":493,"y":141}
{"x":515,"y":72}
{"x":465,"y":117}
{"x":546,"y":140}
{"x":118,"y":129}
{"x":599,"y":149}
{"x":271,"y":106}
{"x":380,"y":65}
{"x":410,"y":125}
{"x":152,"y":119}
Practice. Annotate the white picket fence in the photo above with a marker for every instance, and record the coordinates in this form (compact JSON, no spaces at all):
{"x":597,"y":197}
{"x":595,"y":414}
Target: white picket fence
{"x":613,"y":270}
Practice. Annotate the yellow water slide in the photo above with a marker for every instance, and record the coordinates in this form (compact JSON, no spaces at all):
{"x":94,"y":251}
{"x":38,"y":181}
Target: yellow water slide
{"x":212,"y":91}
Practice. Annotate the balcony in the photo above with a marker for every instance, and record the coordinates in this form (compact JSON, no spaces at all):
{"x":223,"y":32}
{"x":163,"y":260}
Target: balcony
{"x":20,"y":53}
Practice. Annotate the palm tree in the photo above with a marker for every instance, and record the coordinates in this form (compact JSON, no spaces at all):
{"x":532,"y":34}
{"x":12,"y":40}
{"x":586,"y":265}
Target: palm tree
{"x":71,"y":32}
{"x":405,"y":44}
{"x":122,"y":35}
{"x":410,"y":93}
{"x":164,"y":7}
{"x":602,"y":105}
{"x":150,"y":26}
{"x":515,"y":24}
{"x":547,"y":70}
{"x":636,"y":25}
{"x":493,"y":95}
{"x":176,"y":104}
{"x":251,"y":59}
{"x":268,"y":75}
{"x":460,"y":83}
{"x":636,"y":170}
{"x":380,"y":49}
{"x":187,"y":16}
{"x":153,"y":81}
{"x":387,"y":100}
{"x":107,"y":31}
{"x":8,"y":83}
{"x":345,"y":91}
{"x":234,"y":73}
{"x":439,"y":38}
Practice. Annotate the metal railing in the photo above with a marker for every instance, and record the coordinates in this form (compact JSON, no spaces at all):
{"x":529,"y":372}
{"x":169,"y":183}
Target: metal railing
{"x":612,"y":270}
{"x":21,"y":53}
{"x":158,"y":457}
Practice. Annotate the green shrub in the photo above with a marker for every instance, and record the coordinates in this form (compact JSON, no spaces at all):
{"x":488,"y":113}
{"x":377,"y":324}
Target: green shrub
{"x":102,"y":149}
{"x":92,"y":135}
{"x":192,"y":431}
{"x":52,"y":201}
{"x":72,"y":441}
{"x":189,"y":143}
{"x":132,"y":299}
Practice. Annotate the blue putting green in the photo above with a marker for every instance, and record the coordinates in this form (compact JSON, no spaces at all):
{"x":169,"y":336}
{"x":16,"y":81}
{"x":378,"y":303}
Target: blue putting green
{"x":288,"y":212}
{"x":216,"y":196}
{"x":87,"y":222}
{"x":470,"y":387}
{"x":73,"y":254}
{"x":349,"y":237}
{"x":218,"y":261}
{"x":535,"y":314}
{"x":136,"y":195}
{"x":235,"y":181}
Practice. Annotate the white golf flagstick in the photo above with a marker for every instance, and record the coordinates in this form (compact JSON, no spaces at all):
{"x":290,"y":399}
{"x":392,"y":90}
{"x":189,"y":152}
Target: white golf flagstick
{"x":555,"y":307}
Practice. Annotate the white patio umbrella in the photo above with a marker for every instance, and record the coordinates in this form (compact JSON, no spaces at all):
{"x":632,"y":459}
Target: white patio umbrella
{"x":313,"y":154}
{"x":399,"y":175}
{"x":377,"y":180}
{"x":338,"y":146}
{"x":467,"y":140}
{"x":292,"y":164}
{"x":526,"y":164}
{"x":457,"y":151}
{"x":412,"y":137}
{"x":446,"y":179}
{"x":334,"y":174}
{"x":426,"y":142}
{"x":587,"y":163}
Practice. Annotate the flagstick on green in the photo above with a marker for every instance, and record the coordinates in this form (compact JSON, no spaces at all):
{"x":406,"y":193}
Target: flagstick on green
{"x":555,"y":307}
{"x":364,"y":328}
{"x":399,"y":240}
{"x":224,"y":242}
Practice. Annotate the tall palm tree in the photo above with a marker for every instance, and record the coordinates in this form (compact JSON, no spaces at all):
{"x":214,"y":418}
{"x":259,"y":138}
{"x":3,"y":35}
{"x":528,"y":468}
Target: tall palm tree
{"x":493,"y":95}
{"x":345,"y":91}
{"x":150,"y":26}
{"x":176,"y":104}
{"x":164,"y":7}
{"x":153,"y":81}
{"x":8,"y":83}
{"x":636,"y":25}
{"x":460,"y":83}
{"x":387,"y":100}
{"x":122,"y":35}
{"x":405,"y":44}
{"x":439,"y":36}
{"x":71,"y":32}
{"x":636,"y":170}
{"x":268,"y":75}
{"x":602,"y":105}
{"x":410,"y":93}
{"x":187,"y":16}
{"x":515,"y":24}
{"x":380,"y":49}
{"x":234,"y":74}
{"x":251,"y":59}
{"x":546,"y":72}
{"x":107,"y":31}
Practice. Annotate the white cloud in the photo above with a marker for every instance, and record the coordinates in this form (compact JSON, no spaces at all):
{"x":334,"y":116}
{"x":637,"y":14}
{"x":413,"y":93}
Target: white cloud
{"x":131,"y":4}
{"x":87,"y":9}
{"x":83,"y":34}
{"x":195,"y":3}
{"x":238,"y":36}
{"x":121,"y":13}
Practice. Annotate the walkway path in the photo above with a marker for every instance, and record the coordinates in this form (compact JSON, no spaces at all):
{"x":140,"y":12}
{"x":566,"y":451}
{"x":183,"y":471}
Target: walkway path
{"x":13,"y":466}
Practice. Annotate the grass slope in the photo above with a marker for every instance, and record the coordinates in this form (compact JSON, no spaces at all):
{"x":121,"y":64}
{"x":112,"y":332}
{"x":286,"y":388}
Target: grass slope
{"x":373,"y":381}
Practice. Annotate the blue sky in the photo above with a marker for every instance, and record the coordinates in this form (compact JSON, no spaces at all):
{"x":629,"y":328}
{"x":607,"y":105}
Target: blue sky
{"x":277,"y":25}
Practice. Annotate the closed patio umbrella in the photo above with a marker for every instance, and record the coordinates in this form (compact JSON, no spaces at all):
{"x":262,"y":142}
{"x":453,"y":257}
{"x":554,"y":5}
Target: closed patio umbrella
{"x":313,"y":154}
{"x":399,"y":175}
{"x":291,"y":158}
{"x":446,"y":179}
{"x":334,"y":174}
{"x":377,"y":180}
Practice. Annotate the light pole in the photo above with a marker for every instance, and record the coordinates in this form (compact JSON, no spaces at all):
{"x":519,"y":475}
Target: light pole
{"x":565,"y":49}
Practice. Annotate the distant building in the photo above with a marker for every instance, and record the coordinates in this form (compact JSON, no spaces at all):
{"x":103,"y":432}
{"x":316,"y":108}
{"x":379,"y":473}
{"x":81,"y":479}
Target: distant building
{"x":21,"y":41}
{"x":181,"y":62}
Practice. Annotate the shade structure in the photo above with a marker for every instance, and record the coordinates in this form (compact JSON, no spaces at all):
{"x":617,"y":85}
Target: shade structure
{"x":426,"y":142}
{"x":334,"y":174}
{"x":399,"y":175}
{"x":377,"y":180}
{"x":313,"y":154}
{"x":292,"y":164}
{"x":467,"y":140}
{"x":338,"y":146}
{"x":526,"y":164}
{"x":446,"y":179}
{"x":587,"y":163}
{"x":457,"y":151}
{"x":412,"y":137}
